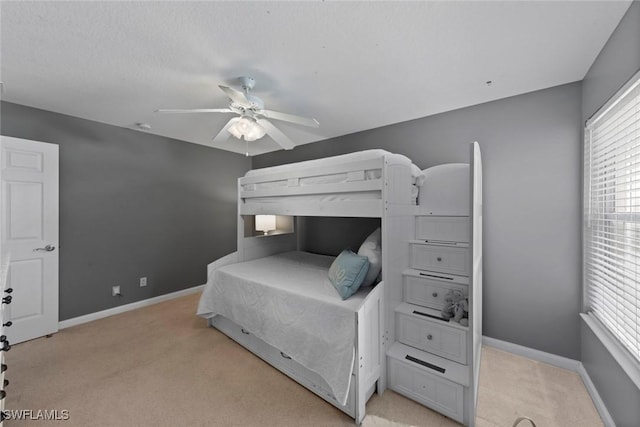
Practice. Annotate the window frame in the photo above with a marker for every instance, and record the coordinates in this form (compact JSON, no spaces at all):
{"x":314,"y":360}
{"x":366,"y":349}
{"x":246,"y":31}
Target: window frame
{"x":623,"y":355}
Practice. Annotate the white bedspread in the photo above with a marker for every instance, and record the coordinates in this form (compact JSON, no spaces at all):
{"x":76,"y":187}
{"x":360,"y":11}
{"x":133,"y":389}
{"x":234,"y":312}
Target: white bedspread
{"x":288,"y":301}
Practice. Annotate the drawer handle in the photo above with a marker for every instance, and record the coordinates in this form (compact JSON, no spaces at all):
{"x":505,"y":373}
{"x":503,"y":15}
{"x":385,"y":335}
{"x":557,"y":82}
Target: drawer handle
{"x":435,"y":295}
{"x":435,"y":276}
{"x":442,"y":242}
{"x":7,"y":300}
{"x":426,"y":364}
{"x":3,"y":367}
{"x":439,"y":259}
{"x":429,"y":337}
{"x":284,"y":355}
{"x":3,"y":394}
{"x":9,"y":323}
{"x":8,"y":290}
{"x":244,"y":332}
{"x":5,"y":346}
{"x":431,"y":316}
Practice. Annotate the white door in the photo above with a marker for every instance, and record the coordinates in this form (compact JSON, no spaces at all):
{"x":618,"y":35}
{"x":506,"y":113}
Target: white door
{"x":30,"y":235}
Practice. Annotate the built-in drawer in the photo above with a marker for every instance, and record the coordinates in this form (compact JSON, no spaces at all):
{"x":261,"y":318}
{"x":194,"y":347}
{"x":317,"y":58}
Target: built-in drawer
{"x":284,"y":363}
{"x":275,"y":357}
{"x":442,"y":228}
{"x":451,"y":259}
{"x":435,"y":392}
{"x":428,"y":290}
{"x":433,"y":336}
{"x":313,"y":381}
{"x":233,"y":330}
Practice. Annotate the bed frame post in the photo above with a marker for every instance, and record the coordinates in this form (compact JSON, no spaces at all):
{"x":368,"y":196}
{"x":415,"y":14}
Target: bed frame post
{"x":397,"y":229}
{"x":369,"y":364}
{"x":240,"y":226}
{"x":360,"y":409}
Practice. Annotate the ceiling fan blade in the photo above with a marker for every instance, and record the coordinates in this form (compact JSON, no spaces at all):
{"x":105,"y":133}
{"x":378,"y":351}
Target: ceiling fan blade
{"x":224,"y":134}
{"x":304,"y":121}
{"x":235,"y":95}
{"x":275,"y":133}
{"x":197,"y":110}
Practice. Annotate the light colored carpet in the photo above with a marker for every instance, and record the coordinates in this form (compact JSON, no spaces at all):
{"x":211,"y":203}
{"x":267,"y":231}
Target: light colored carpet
{"x":512,"y":386}
{"x":375,"y":421}
{"x":162,"y":366}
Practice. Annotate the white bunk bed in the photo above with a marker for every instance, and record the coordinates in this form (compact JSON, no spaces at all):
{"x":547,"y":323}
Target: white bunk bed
{"x":374,"y":184}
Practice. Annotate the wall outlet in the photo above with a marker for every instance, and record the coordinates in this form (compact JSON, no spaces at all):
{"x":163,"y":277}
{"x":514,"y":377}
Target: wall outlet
{"x":115,"y":291}
{"x":143,"y":281}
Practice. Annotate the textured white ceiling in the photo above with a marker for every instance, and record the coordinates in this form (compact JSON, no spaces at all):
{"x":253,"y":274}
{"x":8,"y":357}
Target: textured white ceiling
{"x":351,"y":65}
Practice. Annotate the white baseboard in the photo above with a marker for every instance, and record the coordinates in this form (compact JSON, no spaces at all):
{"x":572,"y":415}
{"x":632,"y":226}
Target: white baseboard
{"x":127,"y":307}
{"x":540,"y":356}
{"x":595,"y":396}
{"x":560,"y":362}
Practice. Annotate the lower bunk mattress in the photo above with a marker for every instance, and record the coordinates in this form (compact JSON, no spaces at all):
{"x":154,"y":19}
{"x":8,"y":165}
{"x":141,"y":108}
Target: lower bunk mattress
{"x":287,"y":301}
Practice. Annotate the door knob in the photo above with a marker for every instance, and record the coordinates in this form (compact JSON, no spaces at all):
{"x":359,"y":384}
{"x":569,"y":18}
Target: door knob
{"x":47,"y":248}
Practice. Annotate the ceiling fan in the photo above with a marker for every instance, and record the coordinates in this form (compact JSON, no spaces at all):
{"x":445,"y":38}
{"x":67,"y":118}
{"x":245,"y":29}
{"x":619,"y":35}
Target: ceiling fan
{"x":252,"y":123}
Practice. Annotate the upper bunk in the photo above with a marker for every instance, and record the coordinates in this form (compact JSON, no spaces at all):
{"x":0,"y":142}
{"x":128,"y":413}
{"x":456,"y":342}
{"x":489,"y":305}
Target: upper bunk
{"x":360,"y":184}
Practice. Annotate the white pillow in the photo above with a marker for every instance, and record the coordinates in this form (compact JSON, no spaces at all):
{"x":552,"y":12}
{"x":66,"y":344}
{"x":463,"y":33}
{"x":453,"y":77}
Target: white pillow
{"x":372,"y":249}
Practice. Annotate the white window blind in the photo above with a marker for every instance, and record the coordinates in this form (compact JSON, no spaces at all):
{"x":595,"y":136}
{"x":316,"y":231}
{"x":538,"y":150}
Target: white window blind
{"x":612,"y":216}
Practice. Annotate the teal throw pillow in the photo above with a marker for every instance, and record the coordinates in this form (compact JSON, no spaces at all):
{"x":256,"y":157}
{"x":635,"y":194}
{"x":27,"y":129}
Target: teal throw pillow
{"x":347,"y":272}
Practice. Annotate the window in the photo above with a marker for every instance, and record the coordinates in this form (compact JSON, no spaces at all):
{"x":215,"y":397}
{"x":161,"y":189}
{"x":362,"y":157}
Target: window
{"x":612,"y":216}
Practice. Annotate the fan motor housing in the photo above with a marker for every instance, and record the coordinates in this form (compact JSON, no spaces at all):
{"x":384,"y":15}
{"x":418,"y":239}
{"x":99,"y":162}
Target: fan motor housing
{"x":247,"y":83}
{"x":256,"y":103}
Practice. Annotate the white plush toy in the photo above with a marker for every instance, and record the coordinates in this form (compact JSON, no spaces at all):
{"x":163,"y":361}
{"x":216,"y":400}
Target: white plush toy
{"x":456,"y":307}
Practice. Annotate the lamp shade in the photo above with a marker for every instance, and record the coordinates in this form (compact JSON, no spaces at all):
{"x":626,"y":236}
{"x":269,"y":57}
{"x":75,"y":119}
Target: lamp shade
{"x":265,"y":223}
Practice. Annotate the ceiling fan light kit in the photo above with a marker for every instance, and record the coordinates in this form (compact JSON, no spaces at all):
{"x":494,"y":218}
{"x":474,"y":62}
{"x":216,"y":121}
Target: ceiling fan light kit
{"x":247,"y":128}
{"x":253,"y":122}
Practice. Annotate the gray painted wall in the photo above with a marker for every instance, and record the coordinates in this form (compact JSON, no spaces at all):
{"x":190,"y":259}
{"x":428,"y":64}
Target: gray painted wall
{"x":531,"y":153}
{"x":131,"y":205}
{"x":618,"y":61}
{"x":617,"y":391}
{"x":330,"y":236}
